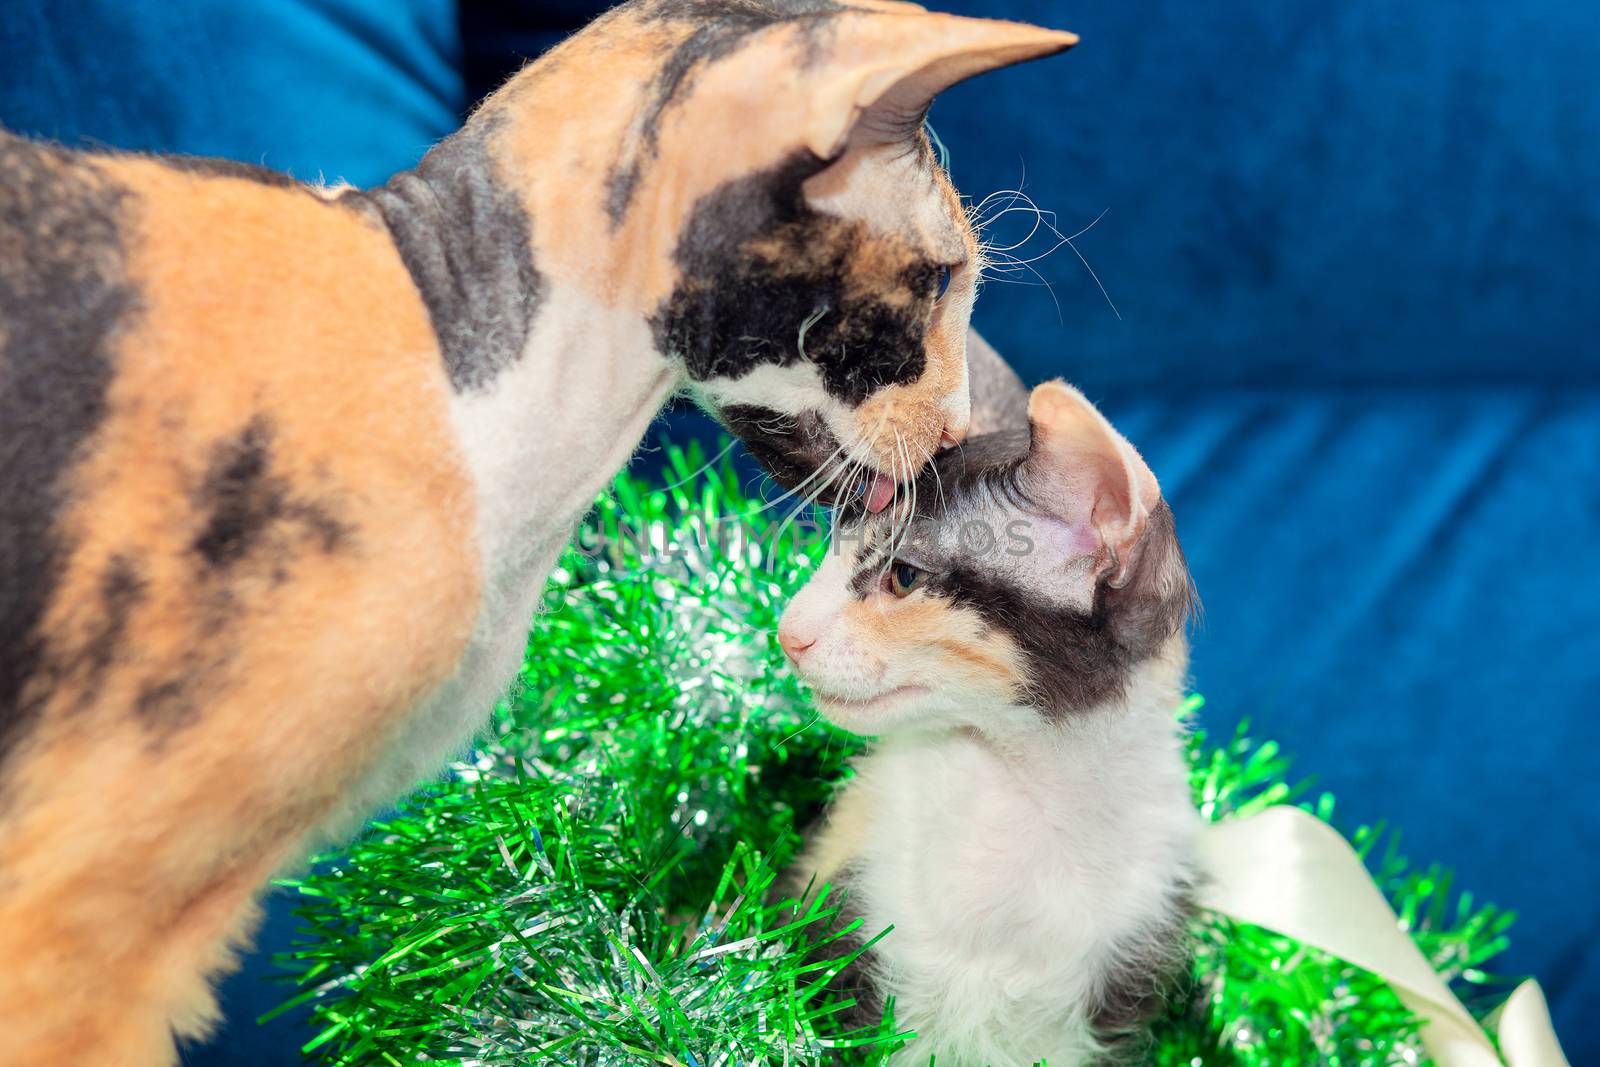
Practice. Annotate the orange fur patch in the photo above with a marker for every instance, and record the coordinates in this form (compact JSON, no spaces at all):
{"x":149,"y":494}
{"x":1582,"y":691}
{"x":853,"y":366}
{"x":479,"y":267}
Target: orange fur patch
{"x":893,"y":630}
{"x":133,"y":843}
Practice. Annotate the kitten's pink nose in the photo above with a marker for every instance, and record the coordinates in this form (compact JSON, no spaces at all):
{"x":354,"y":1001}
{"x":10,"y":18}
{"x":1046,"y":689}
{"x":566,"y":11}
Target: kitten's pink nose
{"x":793,"y":645}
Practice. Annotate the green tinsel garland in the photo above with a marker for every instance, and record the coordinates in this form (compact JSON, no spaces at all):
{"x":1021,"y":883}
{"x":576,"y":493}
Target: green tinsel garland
{"x":595,"y":888}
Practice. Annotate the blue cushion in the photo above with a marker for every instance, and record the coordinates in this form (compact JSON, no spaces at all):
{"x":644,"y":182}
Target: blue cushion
{"x":1399,"y":585}
{"x":351,"y":89}
{"x":1307,"y":194}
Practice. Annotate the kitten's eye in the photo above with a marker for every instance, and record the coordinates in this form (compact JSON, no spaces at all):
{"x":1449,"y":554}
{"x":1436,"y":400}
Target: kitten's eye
{"x":904,"y":579}
{"x":942,"y":284}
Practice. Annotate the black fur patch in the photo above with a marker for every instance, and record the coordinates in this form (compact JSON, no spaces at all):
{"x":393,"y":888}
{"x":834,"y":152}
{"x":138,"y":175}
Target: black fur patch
{"x":720,"y":28}
{"x":764,"y":279}
{"x":122,"y":588}
{"x":987,"y":461}
{"x":241,"y":501}
{"x":1081,"y":660}
{"x":468,"y":242}
{"x":251,"y":524}
{"x":63,"y":297}
{"x":166,"y":705}
{"x":1074,"y":660}
{"x":247,"y":507}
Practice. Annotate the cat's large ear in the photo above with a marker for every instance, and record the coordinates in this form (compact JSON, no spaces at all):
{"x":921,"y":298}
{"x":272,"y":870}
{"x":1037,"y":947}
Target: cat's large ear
{"x":1087,"y":474}
{"x":882,"y":66}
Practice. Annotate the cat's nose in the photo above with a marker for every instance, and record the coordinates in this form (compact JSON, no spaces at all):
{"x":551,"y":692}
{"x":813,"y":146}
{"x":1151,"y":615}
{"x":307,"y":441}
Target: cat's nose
{"x":792,"y":644}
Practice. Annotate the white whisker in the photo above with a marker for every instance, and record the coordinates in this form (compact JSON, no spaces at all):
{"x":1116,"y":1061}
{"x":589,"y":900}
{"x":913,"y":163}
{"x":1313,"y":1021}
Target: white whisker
{"x":1090,"y":269}
{"x":997,"y":259}
{"x":707,"y":465}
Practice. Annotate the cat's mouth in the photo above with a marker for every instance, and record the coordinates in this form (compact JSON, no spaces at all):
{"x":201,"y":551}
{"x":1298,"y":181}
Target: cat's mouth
{"x":878,"y":492}
{"x":857,"y":705}
{"x":804,"y":456}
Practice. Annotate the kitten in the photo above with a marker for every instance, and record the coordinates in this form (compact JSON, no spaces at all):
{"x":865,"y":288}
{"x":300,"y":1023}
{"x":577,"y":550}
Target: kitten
{"x":285,"y":467}
{"x":1013,"y":633}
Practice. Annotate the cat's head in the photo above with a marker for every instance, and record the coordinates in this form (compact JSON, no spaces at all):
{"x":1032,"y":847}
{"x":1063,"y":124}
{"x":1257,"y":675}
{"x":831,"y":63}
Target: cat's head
{"x":773,"y":208}
{"x":1028,"y":573}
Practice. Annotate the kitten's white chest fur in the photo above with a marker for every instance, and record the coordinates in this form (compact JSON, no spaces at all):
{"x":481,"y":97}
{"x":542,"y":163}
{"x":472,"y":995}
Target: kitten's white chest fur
{"x":1014,"y":879}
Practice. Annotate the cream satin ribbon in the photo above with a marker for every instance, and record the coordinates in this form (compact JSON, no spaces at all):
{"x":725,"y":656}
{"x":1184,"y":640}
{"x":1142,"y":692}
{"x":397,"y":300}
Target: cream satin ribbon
{"x":1290,"y":872}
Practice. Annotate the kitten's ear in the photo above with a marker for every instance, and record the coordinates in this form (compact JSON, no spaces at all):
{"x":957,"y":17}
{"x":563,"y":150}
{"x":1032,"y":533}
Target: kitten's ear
{"x":1087,"y":474}
{"x":882,"y":68}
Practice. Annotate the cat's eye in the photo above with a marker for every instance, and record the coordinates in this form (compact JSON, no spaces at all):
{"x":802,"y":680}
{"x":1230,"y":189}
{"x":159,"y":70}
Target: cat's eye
{"x":942,"y":283}
{"x":904,"y":579}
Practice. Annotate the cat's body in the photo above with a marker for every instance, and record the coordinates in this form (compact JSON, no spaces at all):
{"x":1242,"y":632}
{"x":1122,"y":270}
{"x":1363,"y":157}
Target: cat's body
{"x":1024,"y":822}
{"x":283,"y":468}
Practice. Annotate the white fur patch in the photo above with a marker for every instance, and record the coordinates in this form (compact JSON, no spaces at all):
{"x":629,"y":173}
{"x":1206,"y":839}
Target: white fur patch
{"x":1012,"y":875}
{"x":541,"y":443}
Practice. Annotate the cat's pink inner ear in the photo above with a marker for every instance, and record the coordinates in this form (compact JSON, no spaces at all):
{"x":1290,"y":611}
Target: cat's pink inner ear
{"x":885,"y":66}
{"x":1086,"y":472}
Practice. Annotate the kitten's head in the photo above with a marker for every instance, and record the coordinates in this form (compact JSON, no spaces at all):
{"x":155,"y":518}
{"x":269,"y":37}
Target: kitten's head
{"x":778,"y":213}
{"x":1027,"y":574}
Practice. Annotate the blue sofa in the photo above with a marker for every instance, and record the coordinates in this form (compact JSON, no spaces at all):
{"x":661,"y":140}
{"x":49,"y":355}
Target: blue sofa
{"x":1354,"y":254}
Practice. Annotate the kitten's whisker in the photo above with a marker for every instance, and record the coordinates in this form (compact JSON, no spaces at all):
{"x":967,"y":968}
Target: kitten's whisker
{"x":815,"y":718}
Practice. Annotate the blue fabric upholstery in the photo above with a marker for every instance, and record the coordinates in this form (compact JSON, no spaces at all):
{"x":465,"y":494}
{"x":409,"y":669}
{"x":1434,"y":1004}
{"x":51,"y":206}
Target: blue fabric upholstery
{"x":1354,"y":248}
{"x":351,"y":89}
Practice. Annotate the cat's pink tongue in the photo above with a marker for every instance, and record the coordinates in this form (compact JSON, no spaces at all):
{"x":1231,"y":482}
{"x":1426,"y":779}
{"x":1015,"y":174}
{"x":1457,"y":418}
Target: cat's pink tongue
{"x":879,"y":493}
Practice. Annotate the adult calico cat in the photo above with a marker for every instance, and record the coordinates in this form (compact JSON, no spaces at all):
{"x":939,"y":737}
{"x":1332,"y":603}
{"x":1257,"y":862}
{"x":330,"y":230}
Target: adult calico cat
{"x":283,"y":468}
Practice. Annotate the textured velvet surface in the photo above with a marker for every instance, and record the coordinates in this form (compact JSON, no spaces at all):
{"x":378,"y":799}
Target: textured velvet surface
{"x":1354,"y":249}
{"x":350,"y":89}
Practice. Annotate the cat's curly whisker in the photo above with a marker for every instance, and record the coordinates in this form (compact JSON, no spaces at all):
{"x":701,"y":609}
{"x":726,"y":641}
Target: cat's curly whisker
{"x":1038,"y":221}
